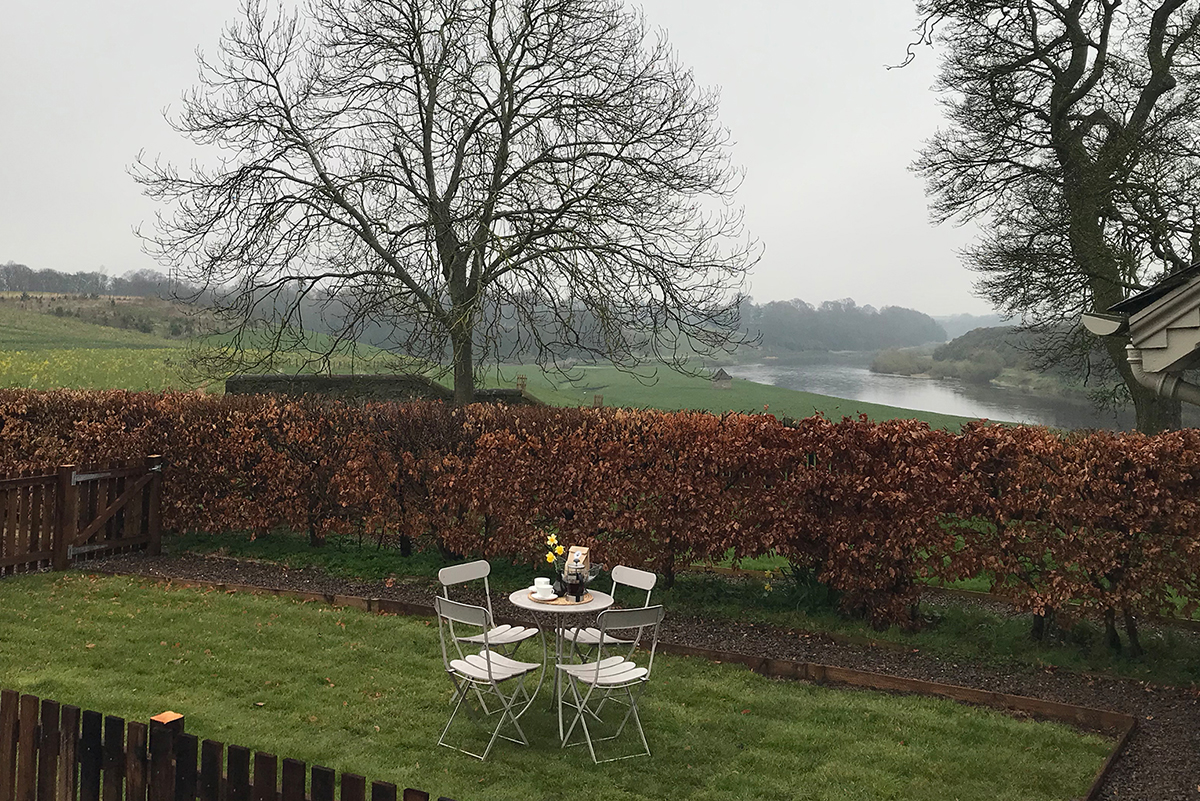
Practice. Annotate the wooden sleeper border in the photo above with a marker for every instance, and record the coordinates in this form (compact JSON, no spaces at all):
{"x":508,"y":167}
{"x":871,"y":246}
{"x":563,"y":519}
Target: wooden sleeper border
{"x":1117,"y":724}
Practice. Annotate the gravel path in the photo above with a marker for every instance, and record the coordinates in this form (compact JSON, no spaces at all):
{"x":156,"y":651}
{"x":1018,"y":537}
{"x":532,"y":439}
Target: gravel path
{"x":1161,"y":762}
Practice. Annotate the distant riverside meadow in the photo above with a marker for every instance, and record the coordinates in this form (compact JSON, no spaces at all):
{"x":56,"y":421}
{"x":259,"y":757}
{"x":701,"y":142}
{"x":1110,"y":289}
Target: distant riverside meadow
{"x":854,"y":381}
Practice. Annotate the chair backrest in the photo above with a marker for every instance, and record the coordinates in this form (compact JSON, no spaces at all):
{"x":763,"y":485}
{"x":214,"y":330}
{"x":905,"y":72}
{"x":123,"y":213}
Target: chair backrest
{"x":459,"y":612}
{"x":643,"y":619}
{"x":451,"y":612}
{"x":468,"y":571}
{"x":632,"y":577}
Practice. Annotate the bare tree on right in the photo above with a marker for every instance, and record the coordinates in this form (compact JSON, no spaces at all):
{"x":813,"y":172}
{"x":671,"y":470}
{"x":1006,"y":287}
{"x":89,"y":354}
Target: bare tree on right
{"x":1071,"y":139}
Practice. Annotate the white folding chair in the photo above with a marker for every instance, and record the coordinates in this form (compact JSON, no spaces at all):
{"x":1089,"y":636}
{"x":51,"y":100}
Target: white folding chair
{"x":584,"y":640}
{"x":609,"y":678}
{"x":481,"y":674}
{"x":504,"y":638}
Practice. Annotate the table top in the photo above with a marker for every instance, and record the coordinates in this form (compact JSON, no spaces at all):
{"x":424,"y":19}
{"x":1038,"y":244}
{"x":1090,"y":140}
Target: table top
{"x":600,"y":601}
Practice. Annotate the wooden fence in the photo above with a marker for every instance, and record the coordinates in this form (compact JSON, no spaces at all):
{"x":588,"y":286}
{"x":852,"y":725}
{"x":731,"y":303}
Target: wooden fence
{"x":50,"y":520}
{"x":53,"y":752}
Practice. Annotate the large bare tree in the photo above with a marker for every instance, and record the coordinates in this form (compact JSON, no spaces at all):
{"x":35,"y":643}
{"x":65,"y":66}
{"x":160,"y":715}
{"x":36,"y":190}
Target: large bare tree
{"x":451,"y":168}
{"x":1072,"y":141}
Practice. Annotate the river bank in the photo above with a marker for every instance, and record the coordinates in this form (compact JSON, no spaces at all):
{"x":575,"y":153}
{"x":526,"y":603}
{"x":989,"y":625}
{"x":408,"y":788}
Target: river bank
{"x":849,"y":376}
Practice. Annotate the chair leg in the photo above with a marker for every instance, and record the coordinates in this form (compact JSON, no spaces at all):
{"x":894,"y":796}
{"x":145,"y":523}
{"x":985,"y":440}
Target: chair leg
{"x":637,"y":717}
{"x":460,"y":694}
{"x":482,"y":703}
{"x":558,"y":692}
{"x":507,"y":713}
{"x":587,"y":735}
{"x":568,"y":680}
{"x":504,"y":714}
{"x":632,"y":713}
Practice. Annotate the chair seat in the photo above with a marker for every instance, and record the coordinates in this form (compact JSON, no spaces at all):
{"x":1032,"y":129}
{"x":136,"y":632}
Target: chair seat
{"x":614,"y":671}
{"x":475,"y":667}
{"x":508,"y":663}
{"x":591,"y":636}
{"x":501,"y":635}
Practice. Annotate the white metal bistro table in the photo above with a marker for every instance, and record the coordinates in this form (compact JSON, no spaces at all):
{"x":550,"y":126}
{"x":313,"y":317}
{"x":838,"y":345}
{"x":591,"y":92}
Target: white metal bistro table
{"x":559,"y":617}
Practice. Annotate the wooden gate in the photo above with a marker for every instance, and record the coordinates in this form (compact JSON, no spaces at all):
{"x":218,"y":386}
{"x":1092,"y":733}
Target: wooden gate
{"x":50,"y":520}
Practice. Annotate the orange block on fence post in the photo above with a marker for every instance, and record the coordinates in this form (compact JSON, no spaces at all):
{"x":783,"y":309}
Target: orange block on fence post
{"x":172,"y":720}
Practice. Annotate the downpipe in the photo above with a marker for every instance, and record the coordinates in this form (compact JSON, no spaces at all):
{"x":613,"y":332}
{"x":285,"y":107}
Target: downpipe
{"x":1166,"y":385}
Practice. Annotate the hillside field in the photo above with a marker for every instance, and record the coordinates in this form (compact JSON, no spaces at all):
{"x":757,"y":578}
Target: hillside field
{"x":42,"y":350}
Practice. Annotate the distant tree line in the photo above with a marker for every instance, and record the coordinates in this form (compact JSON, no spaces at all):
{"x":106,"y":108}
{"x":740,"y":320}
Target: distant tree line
{"x":794,"y":325}
{"x":791,"y":325}
{"x":16,"y":277}
{"x":778,"y":326}
{"x":978,"y":356}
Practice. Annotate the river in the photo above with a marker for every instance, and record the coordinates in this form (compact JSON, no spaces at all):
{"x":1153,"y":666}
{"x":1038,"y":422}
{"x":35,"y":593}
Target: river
{"x":944,"y":396}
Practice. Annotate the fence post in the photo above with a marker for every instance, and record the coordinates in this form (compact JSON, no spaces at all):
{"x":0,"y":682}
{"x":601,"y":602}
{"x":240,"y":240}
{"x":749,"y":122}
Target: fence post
{"x":172,"y":720}
{"x":66,"y":516}
{"x":154,"y":464}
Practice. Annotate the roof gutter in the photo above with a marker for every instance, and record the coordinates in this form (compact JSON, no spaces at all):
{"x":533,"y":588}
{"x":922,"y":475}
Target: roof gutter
{"x":1167,"y":385}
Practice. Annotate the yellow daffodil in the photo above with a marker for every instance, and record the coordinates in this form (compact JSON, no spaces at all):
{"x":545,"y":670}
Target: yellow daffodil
{"x":559,"y":550}
{"x":552,"y":539}
{"x":550,"y":558}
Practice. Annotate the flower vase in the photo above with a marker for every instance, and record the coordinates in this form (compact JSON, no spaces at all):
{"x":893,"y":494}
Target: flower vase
{"x":560,"y":586}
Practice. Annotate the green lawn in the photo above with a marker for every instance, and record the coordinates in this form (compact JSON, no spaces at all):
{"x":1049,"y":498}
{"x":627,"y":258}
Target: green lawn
{"x":366,"y":693}
{"x":955,"y":631}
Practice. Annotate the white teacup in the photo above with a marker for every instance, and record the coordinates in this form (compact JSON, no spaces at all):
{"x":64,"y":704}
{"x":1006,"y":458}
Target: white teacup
{"x":542,"y":588}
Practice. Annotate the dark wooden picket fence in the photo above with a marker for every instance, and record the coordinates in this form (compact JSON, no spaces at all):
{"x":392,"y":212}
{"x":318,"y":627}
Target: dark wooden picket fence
{"x":53,"y":752}
{"x":51,"y":520}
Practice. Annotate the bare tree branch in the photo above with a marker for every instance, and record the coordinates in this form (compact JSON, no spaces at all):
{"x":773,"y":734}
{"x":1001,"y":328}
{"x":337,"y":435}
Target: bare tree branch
{"x":431,"y":172}
{"x":1071,"y":139}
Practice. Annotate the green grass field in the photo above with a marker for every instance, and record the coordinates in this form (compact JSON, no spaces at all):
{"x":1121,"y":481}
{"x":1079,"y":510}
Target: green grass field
{"x":22,"y":330}
{"x":367,"y":693}
{"x":954,"y":631}
{"x":43,"y":351}
{"x":670,"y":390}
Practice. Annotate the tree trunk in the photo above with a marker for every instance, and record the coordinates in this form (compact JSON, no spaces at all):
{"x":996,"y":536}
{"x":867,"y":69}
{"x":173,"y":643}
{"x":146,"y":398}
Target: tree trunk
{"x":1154,"y":412}
{"x":464,"y":368}
{"x":668,"y":567}
{"x":1041,"y":625}
{"x":1131,"y":629}
{"x":1111,"y":638}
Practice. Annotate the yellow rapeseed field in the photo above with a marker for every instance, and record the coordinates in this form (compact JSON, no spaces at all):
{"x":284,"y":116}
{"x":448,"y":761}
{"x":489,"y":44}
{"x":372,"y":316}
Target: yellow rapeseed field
{"x":93,"y":368}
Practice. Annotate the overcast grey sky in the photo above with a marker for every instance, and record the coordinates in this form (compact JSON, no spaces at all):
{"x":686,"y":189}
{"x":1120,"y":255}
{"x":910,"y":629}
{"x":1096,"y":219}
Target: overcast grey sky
{"x":824,"y":131}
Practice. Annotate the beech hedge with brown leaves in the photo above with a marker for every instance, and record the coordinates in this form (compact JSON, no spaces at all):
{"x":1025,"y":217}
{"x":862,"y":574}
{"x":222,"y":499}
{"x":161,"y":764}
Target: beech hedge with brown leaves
{"x":1109,"y":521}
